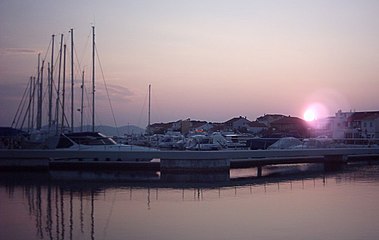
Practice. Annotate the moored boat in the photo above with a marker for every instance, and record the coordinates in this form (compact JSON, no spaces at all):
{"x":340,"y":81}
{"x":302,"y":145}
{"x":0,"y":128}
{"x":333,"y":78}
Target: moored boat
{"x":92,"y":142}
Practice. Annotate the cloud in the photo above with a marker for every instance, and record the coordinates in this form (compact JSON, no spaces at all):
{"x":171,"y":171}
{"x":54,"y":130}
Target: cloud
{"x":116,"y":92}
{"x":17,"y":51}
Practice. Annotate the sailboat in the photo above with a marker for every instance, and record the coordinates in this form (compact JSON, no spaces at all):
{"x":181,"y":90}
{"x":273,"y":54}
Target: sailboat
{"x":79,"y":141}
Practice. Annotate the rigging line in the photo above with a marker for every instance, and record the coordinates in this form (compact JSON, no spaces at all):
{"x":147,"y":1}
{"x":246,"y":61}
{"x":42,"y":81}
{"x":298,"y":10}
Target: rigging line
{"x":57,"y":57}
{"x":47,"y":50}
{"x":56,"y":62}
{"x":105,"y":231}
{"x":60,"y":104}
{"x":88,"y":114}
{"x":25,"y":102}
{"x":44,"y":59}
{"x":30,"y":102}
{"x":143,"y":108}
{"x":84,"y":53}
{"x":19,"y":105}
{"x":106,"y":88}
{"x":77,"y":68}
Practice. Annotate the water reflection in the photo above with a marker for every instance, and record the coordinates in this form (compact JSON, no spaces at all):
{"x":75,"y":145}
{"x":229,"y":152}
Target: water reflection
{"x":81,"y":205}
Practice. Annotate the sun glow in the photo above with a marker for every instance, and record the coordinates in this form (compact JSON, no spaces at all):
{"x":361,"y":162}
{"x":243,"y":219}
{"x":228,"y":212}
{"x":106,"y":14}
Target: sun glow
{"x":315,"y":111}
{"x":310,"y":115}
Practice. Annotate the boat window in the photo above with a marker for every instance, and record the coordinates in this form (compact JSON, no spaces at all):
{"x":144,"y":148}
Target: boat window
{"x":64,"y":142}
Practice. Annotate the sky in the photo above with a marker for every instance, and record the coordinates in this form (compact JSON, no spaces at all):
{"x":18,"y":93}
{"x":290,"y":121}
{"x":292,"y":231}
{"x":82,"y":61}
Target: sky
{"x":205,"y":59}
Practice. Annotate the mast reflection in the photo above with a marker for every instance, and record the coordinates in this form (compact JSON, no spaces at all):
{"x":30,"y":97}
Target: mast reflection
{"x":71,"y":209}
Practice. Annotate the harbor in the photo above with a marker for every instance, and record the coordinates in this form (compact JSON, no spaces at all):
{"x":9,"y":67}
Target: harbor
{"x":189,"y":120}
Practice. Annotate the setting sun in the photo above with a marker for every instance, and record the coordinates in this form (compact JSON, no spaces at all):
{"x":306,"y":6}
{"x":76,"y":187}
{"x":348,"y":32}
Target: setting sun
{"x":309,"y":115}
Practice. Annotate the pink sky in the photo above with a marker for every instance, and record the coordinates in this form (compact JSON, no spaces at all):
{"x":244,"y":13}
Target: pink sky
{"x":206,"y":60}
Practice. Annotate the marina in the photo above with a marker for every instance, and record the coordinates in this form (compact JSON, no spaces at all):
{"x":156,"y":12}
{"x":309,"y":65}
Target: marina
{"x":184,"y":146}
{"x":189,"y":120}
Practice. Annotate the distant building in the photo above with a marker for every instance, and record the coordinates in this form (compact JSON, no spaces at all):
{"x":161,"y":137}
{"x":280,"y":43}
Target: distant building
{"x":341,"y":124}
{"x":356,"y":124}
{"x":203,"y":127}
{"x":267,"y":119}
{"x":256,"y":127}
{"x":240,"y":124}
{"x":182,"y":126}
{"x":290,"y":126}
{"x":370,"y":127}
{"x":219,"y":127}
{"x":159,"y":128}
{"x":176,"y":126}
{"x":363,"y":125}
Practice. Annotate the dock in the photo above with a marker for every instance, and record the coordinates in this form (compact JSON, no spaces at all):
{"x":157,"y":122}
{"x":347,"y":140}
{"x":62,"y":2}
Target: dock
{"x":179,"y":161}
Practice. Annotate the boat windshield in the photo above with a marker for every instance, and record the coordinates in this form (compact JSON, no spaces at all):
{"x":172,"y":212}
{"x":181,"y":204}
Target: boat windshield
{"x":90,"y":139}
{"x":93,"y":141}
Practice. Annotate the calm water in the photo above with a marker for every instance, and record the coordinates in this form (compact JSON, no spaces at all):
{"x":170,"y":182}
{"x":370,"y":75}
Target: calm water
{"x":288,"y":203}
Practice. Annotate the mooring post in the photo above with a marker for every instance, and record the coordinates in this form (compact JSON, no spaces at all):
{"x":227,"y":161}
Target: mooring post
{"x":259,"y":171}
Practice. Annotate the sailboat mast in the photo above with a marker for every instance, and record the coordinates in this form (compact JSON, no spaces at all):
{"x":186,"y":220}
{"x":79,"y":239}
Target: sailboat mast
{"x":39,"y":121}
{"x":59,"y":84}
{"x":39,"y":93}
{"x":72,"y":80}
{"x":81,"y":106}
{"x":148,"y":117}
{"x":49,"y":93}
{"x":93,"y":78}
{"x":63,"y":86}
{"x":33,"y":100}
{"x":30,"y":101}
{"x":50,"y":82}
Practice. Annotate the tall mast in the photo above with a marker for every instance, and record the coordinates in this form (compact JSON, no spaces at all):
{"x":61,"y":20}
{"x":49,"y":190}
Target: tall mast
{"x":30,"y":101}
{"x":72,"y":79}
{"x":93,"y":78}
{"x":49,"y":93}
{"x":148,"y":117}
{"x":33,"y":100}
{"x":50,"y":82}
{"x":39,"y":120}
{"x":59,"y":84}
{"x":81,"y":106}
{"x":63,"y":85}
{"x":39,"y":93}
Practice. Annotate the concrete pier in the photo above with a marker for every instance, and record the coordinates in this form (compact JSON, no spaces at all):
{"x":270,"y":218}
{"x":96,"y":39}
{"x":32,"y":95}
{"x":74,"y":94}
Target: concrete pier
{"x":24,"y":164}
{"x":180,"y":161}
{"x":195,"y":165}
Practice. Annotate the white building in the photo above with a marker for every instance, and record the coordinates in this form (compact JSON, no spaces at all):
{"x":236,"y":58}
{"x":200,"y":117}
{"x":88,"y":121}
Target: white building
{"x":356,"y":125}
{"x":370,"y":127}
{"x":238,"y":123}
{"x":341,"y":124}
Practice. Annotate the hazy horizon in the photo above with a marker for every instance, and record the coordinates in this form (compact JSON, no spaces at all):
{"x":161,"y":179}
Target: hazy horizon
{"x":206,"y":60}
